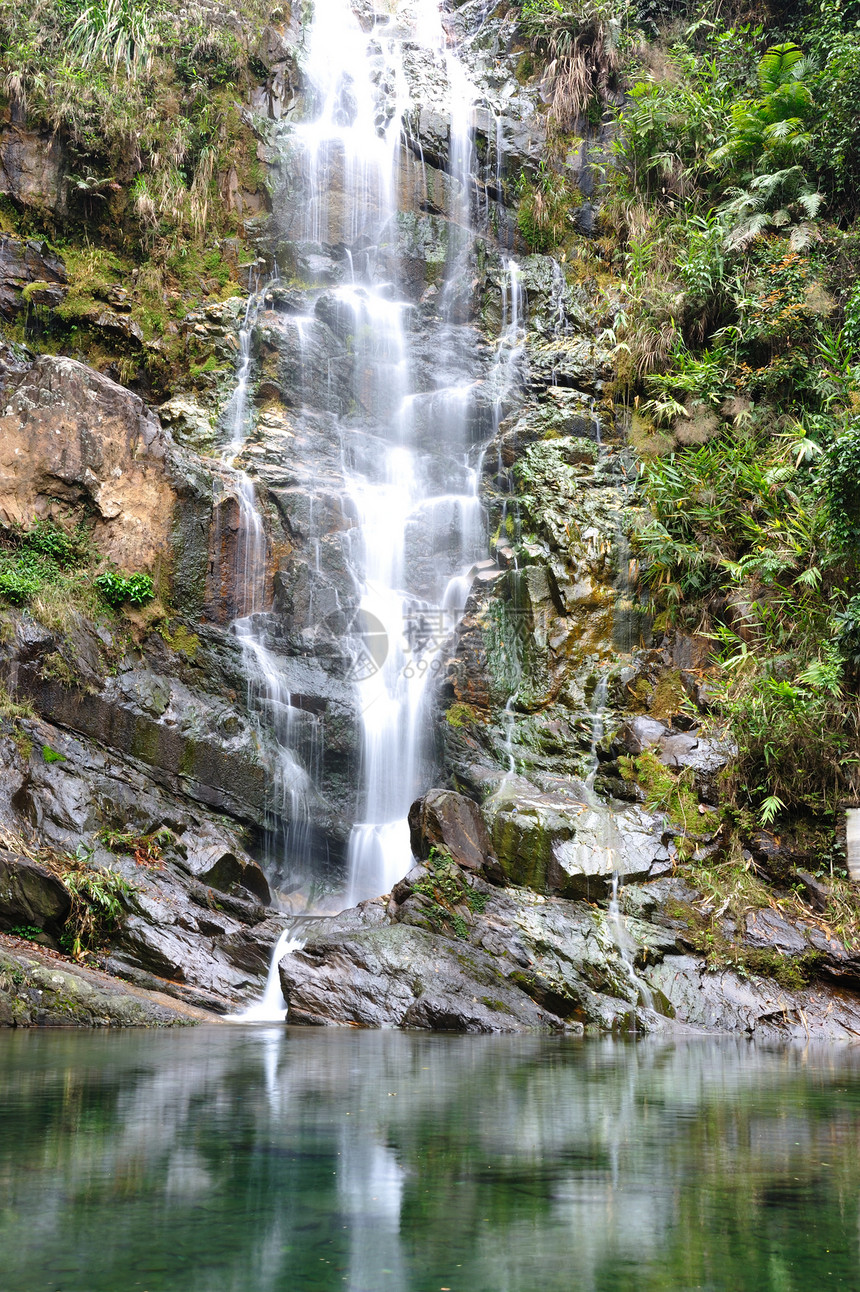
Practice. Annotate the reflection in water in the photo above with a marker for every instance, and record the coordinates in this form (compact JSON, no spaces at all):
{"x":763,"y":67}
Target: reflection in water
{"x":269,"y":1159}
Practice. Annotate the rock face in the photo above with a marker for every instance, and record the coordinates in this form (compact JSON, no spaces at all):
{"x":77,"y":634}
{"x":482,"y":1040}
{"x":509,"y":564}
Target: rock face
{"x":564,"y":840}
{"x":72,"y":440}
{"x":31,"y":896}
{"x":23,"y":263}
{"x":450,"y":952}
{"x":33,"y":169}
{"x":70,"y":437}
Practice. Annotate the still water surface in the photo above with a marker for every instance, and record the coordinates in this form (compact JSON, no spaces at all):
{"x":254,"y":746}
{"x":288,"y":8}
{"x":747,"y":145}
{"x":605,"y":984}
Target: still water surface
{"x":258,"y":1159}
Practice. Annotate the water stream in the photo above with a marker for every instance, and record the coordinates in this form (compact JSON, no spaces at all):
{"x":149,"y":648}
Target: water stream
{"x":268,"y":694}
{"x":271,"y":1007}
{"x":412,"y":472}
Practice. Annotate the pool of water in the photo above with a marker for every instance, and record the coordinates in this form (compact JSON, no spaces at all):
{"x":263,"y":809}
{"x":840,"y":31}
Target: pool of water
{"x":265,"y":1159}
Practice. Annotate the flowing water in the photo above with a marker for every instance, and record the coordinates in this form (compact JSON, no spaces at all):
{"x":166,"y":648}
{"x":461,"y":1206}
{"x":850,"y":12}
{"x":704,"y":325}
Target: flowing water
{"x":271,"y":1159}
{"x":409,"y":433}
{"x":268,"y":694}
{"x":271,"y":1007}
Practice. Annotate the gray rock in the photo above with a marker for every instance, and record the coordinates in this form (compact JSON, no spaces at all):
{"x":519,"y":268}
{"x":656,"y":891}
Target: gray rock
{"x":404,"y":977}
{"x":31,"y":895}
{"x":638,"y":733}
{"x":768,"y":929}
{"x":223,"y":869}
{"x":753,"y":1006}
{"x":25,"y":262}
{"x":568,"y":842}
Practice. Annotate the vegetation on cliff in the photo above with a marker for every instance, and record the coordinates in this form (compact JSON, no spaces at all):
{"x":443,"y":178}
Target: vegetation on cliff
{"x":730,"y":221}
{"x":148,"y":106}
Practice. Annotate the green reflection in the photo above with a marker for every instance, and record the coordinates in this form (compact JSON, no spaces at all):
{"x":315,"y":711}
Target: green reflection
{"x":264,"y":1159}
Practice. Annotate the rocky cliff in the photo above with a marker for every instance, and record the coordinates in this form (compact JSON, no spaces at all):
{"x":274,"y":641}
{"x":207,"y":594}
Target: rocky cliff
{"x":574,"y":866}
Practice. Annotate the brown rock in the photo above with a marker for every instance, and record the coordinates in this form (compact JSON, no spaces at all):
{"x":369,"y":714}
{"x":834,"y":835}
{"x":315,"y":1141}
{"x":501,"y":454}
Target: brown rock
{"x":450,"y":821}
{"x":69,"y":436}
{"x":32,"y":168}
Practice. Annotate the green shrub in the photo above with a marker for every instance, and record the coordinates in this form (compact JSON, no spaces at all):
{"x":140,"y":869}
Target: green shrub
{"x":18,"y":586}
{"x":119,"y":588}
{"x":99,"y":902}
{"x":545,"y":209}
{"x":843,"y":486}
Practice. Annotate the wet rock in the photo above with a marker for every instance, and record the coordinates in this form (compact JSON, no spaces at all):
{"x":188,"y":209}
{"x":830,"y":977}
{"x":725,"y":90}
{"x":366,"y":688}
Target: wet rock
{"x":768,"y":929}
{"x":221,"y":868}
{"x":816,"y":891}
{"x":23,"y":263}
{"x":451,"y":951}
{"x":450,"y":821}
{"x":31,"y":896}
{"x":638,"y":733}
{"x":565,"y":842}
{"x":404,"y":977}
{"x":586,"y":864}
{"x":724,"y":1002}
{"x":119,"y":325}
{"x":38,"y":989}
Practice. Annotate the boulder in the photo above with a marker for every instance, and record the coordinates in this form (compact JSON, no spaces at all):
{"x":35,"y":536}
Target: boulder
{"x":38,"y":989}
{"x":404,"y":977}
{"x":567,"y":842}
{"x":449,"y":821}
{"x":71,"y":437}
{"x":30,"y":895}
{"x":723,"y":1001}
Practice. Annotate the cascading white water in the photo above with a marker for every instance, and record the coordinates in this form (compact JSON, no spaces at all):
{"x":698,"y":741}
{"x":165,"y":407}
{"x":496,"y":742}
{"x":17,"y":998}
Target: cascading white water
{"x":412,"y":482}
{"x":627,"y":947}
{"x":407,"y":429}
{"x":268,"y":693}
{"x":271,"y":1007}
{"x":598,"y":710}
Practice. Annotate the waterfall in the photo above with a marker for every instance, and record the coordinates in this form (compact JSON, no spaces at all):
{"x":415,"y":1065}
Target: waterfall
{"x":423,"y":392}
{"x":271,"y":1007}
{"x":268,"y":694}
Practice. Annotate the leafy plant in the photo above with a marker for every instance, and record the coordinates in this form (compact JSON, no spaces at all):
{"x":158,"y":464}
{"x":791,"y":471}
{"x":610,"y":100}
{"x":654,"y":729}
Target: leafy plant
{"x":27,"y":931}
{"x":771,"y":128}
{"x":117,"y":33}
{"x":580,"y":42}
{"x":99,"y":902}
{"x":118,"y":588}
{"x":41,"y":556}
{"x":545,"y":209}
{"x":146,"y":849}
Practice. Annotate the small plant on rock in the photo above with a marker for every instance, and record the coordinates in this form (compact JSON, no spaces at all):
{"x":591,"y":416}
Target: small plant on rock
{"x":117,"y":588}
